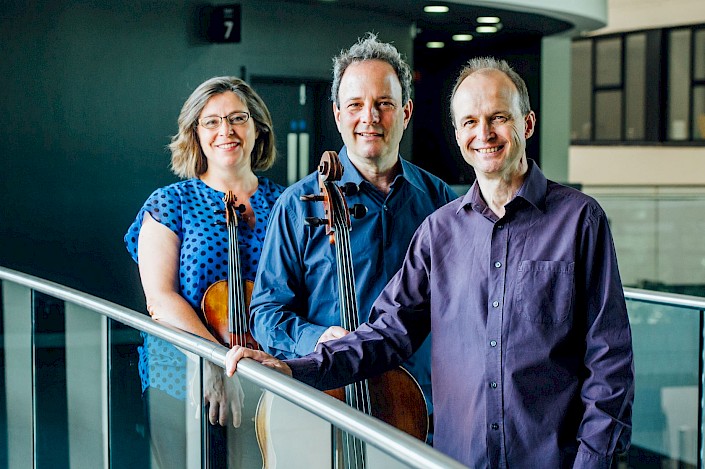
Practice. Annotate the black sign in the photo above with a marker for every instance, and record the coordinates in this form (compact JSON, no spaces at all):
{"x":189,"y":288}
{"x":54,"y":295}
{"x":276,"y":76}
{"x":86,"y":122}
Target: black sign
{"x":222,"y":23}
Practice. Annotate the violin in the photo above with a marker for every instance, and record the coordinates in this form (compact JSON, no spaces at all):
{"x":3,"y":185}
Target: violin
{"x":394,"y":397}
{"x":225,"y":304}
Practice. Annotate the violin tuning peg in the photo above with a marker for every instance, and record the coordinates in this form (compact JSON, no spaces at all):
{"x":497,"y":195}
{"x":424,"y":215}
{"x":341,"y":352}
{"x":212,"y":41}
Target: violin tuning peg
{"x":241,"y":208}
{"x":315,"y":221}
{"x":311,"y":198}
{"x":358,"y":211}
{"x":218,"y":223}
{"x":350,"y":188}
{"x":219,"y":211}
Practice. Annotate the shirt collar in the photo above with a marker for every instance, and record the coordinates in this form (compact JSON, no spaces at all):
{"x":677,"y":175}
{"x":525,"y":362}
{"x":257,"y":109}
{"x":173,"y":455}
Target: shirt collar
{"x":533,"y":190}
{"x":351,"y":174}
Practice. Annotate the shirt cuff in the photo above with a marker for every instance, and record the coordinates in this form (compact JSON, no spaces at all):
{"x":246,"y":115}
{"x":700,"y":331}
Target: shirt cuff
{"x":308,"y":339}
{"x":304,"y":370}
{"x":586,"y":460}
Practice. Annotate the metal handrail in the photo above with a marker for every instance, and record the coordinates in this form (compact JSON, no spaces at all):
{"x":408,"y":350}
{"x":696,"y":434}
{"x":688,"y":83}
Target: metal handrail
{"x":663,"y":298}
{"x":381,"y":435}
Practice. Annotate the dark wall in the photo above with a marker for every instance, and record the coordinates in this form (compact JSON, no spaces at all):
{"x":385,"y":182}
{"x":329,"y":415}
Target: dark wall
{"x":90,"y":95}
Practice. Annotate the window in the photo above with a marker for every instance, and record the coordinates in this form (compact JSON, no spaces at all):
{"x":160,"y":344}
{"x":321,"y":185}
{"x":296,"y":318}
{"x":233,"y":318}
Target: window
{"x":643,"y":87}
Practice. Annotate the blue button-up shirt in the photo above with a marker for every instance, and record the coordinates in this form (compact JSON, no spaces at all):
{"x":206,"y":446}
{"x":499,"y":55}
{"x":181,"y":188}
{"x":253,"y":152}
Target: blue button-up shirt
{"x":295,"y":297}
{"x":532,"y":357}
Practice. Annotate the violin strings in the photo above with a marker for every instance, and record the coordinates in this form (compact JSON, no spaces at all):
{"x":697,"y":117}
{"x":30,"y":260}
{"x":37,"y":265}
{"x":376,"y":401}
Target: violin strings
{"x":236,"y":299}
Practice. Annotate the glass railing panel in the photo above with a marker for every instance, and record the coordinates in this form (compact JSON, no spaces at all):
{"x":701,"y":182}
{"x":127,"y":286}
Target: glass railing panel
{"x":224,"y":444}
{"x":73,"y":395}
{"x":50,"y":383}
{"x":654,"y":231}
{"x":85,"y":385}
{"x":289,"y":436}
{"x":170,"y":414}
{"x":18,"y":446}
{"x":667,"y":356}
{"x":129,"y":448}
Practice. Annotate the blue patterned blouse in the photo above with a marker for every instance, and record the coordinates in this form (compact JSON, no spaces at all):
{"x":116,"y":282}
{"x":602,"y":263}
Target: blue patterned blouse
{"x":187,"y":208}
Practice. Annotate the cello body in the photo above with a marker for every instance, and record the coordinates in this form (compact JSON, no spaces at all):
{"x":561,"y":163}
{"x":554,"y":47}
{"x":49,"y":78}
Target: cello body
{"x":394,"y":397}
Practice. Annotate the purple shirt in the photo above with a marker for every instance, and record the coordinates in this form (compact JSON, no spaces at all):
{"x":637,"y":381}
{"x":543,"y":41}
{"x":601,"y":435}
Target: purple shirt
{"x":531,"y":357}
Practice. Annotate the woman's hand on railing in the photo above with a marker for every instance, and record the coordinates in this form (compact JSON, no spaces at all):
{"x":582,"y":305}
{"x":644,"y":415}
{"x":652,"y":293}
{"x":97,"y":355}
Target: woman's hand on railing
{"x":237,"y":353}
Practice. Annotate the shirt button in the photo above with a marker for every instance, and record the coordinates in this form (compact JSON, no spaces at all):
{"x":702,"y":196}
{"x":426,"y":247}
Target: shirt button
{"x":386,"y":209}
{"x":499,"y":227}
{"x":493,"y":343}
{"x":493,"y":385}
{"x":495,"y":303}
{"x":498,"y":264}
{"x":495,"y":426}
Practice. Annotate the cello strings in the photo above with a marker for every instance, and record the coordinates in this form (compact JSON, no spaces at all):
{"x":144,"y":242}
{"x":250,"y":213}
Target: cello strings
{"x":357,"y":394}
{"x":361,"y":387}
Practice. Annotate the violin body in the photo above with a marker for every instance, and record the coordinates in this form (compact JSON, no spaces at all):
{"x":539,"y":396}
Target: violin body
{"x":215,"y":310}
{"x":225,"y":307}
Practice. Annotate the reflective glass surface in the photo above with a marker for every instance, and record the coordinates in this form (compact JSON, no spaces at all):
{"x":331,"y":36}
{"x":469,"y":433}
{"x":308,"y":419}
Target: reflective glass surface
{"x":581,"y":96}
{"x":635,"y":86}
{"x":17,"y":392}
{"x":699,"y":112}
{"x":608,"y":59}
{"x":699,"y":55}
{"x":655,"y":233}
{"x":666,"y":361}
{"x":678,"y":84}
{"x":71,"y":397}
{"x":608,"y":115}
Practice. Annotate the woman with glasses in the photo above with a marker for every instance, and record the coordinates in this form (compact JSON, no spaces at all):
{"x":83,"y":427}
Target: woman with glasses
{"x":181,"y":246}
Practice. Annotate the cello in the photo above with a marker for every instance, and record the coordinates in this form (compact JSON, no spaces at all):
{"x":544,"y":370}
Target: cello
{"x":394,"y":396}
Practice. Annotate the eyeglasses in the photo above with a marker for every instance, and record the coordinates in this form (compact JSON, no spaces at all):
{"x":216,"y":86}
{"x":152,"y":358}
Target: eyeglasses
{"x":234,"y":118}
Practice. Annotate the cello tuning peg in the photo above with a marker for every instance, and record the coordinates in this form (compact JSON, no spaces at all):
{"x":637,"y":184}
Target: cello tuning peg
{"x":350,"y":188}
{"x":358,"y":211}
{"x":311,"y":198}
{"x":315,"y":221}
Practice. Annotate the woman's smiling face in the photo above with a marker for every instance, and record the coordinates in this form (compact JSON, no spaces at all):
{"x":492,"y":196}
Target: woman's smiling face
{"x":228,"y":145}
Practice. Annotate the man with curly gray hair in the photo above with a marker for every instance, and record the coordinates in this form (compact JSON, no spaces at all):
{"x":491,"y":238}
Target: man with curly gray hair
{"x":295,"y":302}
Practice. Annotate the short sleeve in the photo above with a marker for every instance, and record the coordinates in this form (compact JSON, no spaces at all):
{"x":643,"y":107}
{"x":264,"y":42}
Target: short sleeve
{"x":164,"y":205}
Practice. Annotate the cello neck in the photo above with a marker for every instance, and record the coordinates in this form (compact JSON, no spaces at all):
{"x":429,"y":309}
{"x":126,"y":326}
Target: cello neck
{"x":347,"y":293}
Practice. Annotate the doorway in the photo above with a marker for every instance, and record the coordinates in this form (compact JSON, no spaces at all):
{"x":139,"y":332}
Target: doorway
{"x":304,"y":126}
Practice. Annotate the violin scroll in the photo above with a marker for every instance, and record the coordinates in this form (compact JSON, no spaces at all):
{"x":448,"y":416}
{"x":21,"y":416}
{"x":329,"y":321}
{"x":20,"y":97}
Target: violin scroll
{"x":231,"y":210}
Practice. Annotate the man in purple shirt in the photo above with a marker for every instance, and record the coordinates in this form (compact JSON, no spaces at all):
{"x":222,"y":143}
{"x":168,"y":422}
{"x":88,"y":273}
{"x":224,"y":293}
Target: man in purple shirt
{"x":532,"y":361}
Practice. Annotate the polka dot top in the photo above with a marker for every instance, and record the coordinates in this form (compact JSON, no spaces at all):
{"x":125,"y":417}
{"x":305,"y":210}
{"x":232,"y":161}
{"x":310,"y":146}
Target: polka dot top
{"x":187,"y":208}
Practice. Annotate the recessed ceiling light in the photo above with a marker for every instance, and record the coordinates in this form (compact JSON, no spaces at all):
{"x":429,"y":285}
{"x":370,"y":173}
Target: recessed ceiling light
{"x":462,"y":37}
{"x":488,"y":19}
{"x":435,"y":45}
{"x":435,"y":9}
{"x":486,"y":29}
